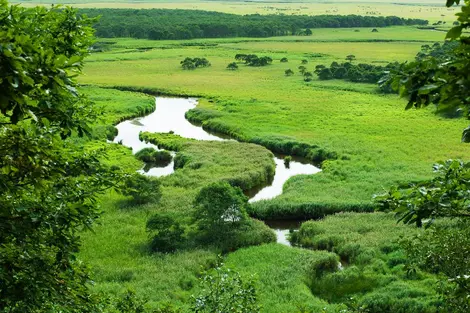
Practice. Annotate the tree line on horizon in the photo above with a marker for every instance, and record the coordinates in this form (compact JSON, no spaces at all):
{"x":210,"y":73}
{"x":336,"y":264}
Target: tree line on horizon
{"x":159,"y":24}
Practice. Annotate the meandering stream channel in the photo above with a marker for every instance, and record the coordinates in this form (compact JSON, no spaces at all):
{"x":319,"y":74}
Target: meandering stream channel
{"x":169,"y":115}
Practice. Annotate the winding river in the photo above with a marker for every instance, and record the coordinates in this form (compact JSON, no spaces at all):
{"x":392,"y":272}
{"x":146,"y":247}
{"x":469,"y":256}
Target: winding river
{"x":169,"y":115}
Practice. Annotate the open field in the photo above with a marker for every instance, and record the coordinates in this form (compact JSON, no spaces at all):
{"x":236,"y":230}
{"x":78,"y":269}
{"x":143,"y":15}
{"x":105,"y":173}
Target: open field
{"x":365,"y":128}
{"x":432,"y":10}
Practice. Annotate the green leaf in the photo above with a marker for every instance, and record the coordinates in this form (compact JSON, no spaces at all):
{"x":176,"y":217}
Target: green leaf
{"x":454,"y":32}
{"x":466,"y":135}
{"x":427,"y":89}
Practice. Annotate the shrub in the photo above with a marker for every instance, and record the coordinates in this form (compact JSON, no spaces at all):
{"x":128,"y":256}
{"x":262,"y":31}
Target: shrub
{"x":141,"y":188}
{"x":304,"y":61}
{"x":150,"y":155}
{"x":193,"y":63}
{"x":284,"y":60}
{"x":232,"y":66}
{"x":289,"y":72}
{"x":287,"y":160}
{"x":165,"y":233}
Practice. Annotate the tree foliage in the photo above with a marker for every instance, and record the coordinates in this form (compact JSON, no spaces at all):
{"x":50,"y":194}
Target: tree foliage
{"x":193,"y":63}
{"x":48,"y":188}
{"x":219,"y":210}
{"x":358,"y":73}
{"x":158,"y":24}
{"x":447,"y":195}
{"x":289,"y":72}
{"x":253,"y":59}
{"x":232,"y":66}
{"x":440,"y":80}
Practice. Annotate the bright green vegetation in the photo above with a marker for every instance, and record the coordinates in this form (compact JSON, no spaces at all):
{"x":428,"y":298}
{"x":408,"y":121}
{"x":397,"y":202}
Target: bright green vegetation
{"x":157,"y":234}
{"x":363,"y":128}
{"x":201,"y":162}
{"x":374,"y":272}
{"x":282,"y":273}
{"x":117,"y":250}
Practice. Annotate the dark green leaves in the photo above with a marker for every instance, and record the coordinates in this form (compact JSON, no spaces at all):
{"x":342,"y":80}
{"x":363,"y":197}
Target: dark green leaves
{"x":447,"y":195}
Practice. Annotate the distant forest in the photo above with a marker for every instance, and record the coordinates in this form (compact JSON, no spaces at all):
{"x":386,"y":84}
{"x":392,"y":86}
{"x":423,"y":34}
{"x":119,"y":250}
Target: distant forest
{"x":187,"y":24}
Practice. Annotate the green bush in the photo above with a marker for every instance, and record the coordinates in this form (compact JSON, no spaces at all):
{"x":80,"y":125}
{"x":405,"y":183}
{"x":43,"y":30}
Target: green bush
{"x":165,"y":233}
{"x":150,"y":155}
{"x":224,"y":290}
{"x":142,"y":189}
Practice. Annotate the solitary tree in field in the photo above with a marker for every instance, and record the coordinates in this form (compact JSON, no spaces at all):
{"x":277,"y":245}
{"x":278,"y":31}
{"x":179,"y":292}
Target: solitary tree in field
{"x":284,"y":60}
{"x":304,"y":61}
{"x":232,"y":66}
{"x":302,"y":69}
{"x":375,"y":30}
{"x":350,"y":58}
{"x":289,"y":72}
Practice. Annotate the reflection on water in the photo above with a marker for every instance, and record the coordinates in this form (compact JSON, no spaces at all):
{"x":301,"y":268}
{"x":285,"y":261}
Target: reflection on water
{"x":169,"y":115}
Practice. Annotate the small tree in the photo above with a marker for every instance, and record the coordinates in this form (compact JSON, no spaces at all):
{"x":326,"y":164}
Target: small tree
{"x":351,"y":58}
{"x":308,"y":32}
{"x":302,"y":69}
{"x":232,"y":66}
{"x":375,"y":30}
{"x":289,"y":72}
{"x":308,"y":76}
{"x":284,"y":60}
{"x":219,"y":209}
{"x":304,"y":61}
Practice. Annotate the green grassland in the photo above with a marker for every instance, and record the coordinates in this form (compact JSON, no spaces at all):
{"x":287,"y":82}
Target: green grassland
{"x":378,"y":143}
{"x":432,"y":10}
